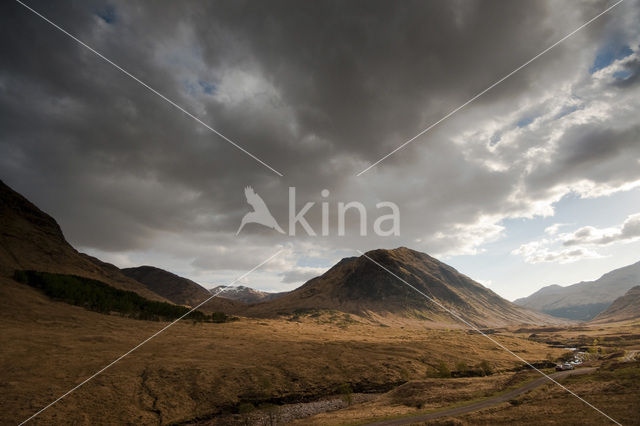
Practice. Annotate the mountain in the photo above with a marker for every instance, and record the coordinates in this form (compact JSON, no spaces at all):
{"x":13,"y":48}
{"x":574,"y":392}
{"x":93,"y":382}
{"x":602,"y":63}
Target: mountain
{"x":357,"y":285}
{"x":624,"y":308}
{"x":179,"y":290}
{"x":183,"y":291}
{"x":585,"y":300}
{"x":31,"y":239}
{"x":228,"y":306}
{"x":246,"y":294}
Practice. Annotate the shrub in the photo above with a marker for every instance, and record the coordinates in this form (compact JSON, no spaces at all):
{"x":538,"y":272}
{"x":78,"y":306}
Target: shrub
{"x":345,"y":390}
{"x":443,"y":370}
{"x":219,"y":317}
{"x":461,"y":367}
{"x":245,"y":408}
{"x":486,"y":368}
{"x":245,"y":411}
{"x":272,"y":411}
{"x":567,"y":356}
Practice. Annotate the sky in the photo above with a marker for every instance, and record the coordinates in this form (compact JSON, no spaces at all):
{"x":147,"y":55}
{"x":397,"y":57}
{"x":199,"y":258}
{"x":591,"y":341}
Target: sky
{"x":536,"y":182}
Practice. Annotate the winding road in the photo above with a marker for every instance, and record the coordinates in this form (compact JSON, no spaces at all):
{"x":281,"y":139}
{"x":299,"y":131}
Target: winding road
{"x":485,"y":403}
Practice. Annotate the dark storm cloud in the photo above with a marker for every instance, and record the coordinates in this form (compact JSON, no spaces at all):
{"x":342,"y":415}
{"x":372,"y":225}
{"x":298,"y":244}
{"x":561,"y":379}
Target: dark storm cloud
{"x":602,"y":154}
{"x":316,"y":89}
{"x":630,"y":74}
{"x":361,"y":74}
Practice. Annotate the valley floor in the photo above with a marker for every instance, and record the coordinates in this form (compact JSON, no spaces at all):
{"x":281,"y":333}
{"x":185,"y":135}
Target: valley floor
{"x":201,"y":371}
{"x":610,"y":381}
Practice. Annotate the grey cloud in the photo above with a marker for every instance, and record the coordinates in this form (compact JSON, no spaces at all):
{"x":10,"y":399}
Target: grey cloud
{"x":629,"y":230}
{"x":633,"y":68}
{"x":540,"y":252}
{"x":297,"y":275}
{"x":562,"y":256}
{"x":589,"y":151}
{"x":579,"y":244}
{"x":316,"y":89}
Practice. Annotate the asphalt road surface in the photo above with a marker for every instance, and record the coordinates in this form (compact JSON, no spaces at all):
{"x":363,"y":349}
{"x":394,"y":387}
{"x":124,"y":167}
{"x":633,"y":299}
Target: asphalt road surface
{"x":487,"y":402}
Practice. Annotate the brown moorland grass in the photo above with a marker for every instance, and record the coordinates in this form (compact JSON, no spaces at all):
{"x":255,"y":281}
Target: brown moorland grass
{"x":421,"y":396}
{"x":199,"y":370}
{"x":614,"y":389}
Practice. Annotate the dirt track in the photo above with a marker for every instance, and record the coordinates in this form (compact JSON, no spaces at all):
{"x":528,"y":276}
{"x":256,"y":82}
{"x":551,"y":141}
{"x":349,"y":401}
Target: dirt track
{"x":486,"y":403}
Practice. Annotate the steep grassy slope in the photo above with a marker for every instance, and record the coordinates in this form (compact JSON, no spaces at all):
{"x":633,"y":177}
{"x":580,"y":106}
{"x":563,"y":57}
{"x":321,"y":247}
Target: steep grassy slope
{"x":624,"y":308}
{"x":32,"y":240}
{"x":100,"y":297}
{"x":168,"y":285}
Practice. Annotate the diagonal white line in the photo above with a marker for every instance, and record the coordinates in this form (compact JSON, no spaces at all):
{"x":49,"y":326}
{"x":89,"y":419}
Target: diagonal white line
{"x":147,"y":339}
{"x":491,"y":87}
{"x":127,"y":73}
{"x":474,"y":328}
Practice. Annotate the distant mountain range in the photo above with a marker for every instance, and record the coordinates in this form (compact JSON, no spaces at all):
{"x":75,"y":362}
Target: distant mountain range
{"x":624,"y":308}
{"x":245,"y":294}
{"x":32,"y":240}
{"x":585,"y":300}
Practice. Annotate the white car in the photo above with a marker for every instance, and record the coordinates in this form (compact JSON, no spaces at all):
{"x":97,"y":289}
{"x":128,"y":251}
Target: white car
{"x":565,"y":366}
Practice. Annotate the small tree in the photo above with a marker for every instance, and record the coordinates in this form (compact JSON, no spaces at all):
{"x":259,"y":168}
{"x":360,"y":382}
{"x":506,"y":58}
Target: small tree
{"x":245,"y":412}
{"x":461,"y":367}
{"x":218,"y":317}
{"x":443,"y":370}
{"x":345,"y":390}
{"x":486,"y":368}
{"x":567,"y":356}
{"x":272,"y":411}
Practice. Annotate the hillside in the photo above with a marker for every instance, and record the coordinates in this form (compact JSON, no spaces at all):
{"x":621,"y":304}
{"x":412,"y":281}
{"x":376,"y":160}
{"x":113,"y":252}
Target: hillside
{"x":170,"y":379}
{"x":183,"y":291}
{"x":177,"y":289}
{"x":32,"y":240}
{"x":228,"y":306}
{"x":624,"y":308}
{"x":357,"y":285}
{"x":246,"y":294}
{"x":585,"y":300}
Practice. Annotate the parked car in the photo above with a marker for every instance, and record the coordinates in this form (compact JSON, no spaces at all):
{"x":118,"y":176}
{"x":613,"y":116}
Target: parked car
{"x":565,"y":366}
